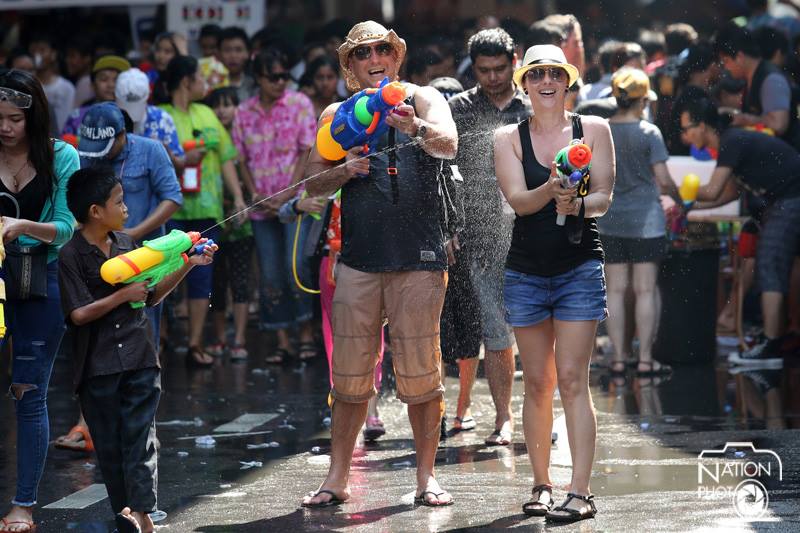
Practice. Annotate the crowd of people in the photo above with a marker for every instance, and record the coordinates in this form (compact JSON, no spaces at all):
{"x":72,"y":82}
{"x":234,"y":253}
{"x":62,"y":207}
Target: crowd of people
{"x":456,"y":232}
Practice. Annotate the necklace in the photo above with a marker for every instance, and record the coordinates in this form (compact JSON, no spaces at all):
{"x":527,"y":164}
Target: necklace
{"x":15,"y":174}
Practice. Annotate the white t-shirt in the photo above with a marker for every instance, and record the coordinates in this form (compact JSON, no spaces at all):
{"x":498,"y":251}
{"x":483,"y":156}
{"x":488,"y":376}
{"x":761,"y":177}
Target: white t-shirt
{"x":61,"y":96}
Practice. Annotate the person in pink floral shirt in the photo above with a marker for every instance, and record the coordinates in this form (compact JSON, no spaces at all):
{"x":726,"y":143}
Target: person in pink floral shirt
{"x":274,"y":132}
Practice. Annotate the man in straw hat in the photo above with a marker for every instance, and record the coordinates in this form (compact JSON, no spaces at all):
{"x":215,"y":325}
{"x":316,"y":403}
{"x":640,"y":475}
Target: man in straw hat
{"x":393,"y":262}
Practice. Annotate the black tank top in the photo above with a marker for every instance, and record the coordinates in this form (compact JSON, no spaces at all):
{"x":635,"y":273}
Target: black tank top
{"x":31,"y":200}
{"x":393,"y":222}
{"x":538,"y":245}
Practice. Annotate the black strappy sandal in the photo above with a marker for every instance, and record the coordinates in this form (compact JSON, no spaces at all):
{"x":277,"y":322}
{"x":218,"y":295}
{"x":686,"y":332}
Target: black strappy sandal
{"x":536,"y":508}
{"x":572,"y":514}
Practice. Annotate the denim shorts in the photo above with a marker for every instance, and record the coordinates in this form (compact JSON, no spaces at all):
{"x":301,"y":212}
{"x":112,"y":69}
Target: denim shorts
{"x":579,"y":294}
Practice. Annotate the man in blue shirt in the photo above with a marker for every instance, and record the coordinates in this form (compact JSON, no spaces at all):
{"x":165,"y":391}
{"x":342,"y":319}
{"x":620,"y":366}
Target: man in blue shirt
{"x":150,"y":186}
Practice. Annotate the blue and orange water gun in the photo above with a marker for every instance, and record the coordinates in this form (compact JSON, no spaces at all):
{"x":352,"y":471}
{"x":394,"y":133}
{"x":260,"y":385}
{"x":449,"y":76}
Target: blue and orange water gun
{"x":359,"y":121}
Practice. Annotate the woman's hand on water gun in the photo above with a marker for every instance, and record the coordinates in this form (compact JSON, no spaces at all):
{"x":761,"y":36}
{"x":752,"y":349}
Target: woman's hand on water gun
{"x":194,"y":157}
{"x":403,"y":118}
{"x":568,"y":204}
{"x":357,"y":164}
{"x":12,"y":228}
{"x":312,"y":204}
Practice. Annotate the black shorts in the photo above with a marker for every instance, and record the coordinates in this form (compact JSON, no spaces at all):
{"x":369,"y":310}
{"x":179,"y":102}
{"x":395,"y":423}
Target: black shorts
{"x":460,"y":329}
{"x":633,"y":250}
{"x":778,"y":245}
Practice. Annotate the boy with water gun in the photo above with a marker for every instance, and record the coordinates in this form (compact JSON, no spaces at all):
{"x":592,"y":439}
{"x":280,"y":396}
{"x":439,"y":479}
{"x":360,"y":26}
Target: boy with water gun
{"x":116,"y":370}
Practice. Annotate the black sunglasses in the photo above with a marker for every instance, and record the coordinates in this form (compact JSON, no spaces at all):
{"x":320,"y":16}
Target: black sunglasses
{"x":537,"y":74}
{"x":365,"y":52}
{"x":275,"y":78}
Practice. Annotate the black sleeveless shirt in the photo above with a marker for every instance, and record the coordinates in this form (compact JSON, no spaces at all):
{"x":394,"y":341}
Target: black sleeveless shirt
{"x":538,"y":245}
{"x":393,"y":223}
{"x":31,"y":200}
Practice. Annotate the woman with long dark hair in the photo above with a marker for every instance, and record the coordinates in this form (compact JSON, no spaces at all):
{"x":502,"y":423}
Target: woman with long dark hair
{"x":166,"y":46}
{"x":34,"y":171}
{"x":554,"y":286}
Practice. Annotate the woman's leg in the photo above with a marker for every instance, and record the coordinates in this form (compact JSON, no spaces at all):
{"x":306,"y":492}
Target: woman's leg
{"x":199,"y":286}
{"x":240,"y":281}
{"x":326,"y":306}
{"x":276,"y":308}
{"x":573,"y":350}
{"x":645,"y":277}
{"x":617,"y":279}
{"x":539,"y":373}
{"x":37,"y":327}
{"x":219,"y":296}
{"x":467,"y":371}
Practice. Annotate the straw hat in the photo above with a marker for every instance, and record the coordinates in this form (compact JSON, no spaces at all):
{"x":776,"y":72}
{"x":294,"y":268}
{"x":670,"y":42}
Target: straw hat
{"x":367,"y":33}
{"x":545,"y":55}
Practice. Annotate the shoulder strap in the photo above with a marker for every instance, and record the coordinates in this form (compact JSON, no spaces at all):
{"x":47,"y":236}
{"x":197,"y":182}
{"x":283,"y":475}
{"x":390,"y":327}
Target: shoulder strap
{"x":391,"y":169}
{"x":577,"y":126}
{"x":525,"y":141}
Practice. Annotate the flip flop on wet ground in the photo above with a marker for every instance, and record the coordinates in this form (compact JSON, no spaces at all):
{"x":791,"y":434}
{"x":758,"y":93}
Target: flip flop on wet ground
{"x":5,"y":524}
{"x":334,"y":500}
{"x":85,"y":444}
{"x":499,"y":437}
{"x":464,"y":424}
{"x":422,"y":500}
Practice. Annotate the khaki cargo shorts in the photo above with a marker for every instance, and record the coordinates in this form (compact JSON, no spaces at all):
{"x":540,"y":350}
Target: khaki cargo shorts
{"x":412,"y":302}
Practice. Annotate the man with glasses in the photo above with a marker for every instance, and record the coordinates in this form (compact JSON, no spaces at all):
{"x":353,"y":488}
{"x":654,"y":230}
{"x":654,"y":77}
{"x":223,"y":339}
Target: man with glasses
{"x":393,"y":262}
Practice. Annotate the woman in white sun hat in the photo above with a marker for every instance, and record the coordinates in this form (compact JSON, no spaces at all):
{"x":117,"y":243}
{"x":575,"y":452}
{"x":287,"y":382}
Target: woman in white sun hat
{"x":554,"y":285}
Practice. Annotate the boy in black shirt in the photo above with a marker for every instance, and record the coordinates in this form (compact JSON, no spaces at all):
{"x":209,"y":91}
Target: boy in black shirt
{"x":768,"y":168}
{"x":116,"y":371}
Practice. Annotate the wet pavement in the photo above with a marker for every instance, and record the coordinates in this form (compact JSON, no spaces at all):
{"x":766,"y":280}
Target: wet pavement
{"x":266,"y":420}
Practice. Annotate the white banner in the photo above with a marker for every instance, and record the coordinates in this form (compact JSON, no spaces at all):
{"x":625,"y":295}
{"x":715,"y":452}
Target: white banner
{"x":188,"y":16}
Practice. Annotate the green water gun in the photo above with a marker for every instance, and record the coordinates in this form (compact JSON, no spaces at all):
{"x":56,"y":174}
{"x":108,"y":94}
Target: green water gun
{"x":154,"y":260}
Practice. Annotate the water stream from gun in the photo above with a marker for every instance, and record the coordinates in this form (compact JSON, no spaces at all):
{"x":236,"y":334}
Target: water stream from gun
{"x":322,"y":173}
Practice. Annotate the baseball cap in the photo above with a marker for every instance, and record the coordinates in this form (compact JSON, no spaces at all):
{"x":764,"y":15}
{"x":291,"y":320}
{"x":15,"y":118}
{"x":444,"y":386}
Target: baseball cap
{"x":131,"y":92}
{"x":112,"y":62}
{"x":101,"y":124}
{"x":630,"y":84}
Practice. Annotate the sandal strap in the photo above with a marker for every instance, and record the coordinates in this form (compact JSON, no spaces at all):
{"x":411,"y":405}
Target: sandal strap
{"x":543,"y":487}
{"x":588,"y":499}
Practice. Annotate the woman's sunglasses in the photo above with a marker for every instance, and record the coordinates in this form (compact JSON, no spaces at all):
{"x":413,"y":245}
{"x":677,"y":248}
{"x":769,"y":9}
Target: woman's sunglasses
{"x":15,"y":98}
{"x":275,"y":78}
{"x":363,"y":53}
{"x":555,"y":73}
